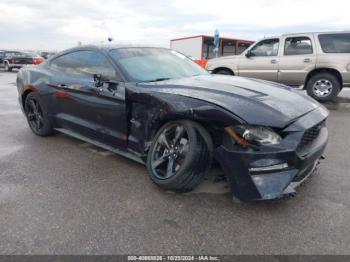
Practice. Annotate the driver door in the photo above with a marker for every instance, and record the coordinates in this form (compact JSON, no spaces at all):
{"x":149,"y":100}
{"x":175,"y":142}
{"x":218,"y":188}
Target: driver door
{"x":261,"y":61}
{"x":97,"y":113}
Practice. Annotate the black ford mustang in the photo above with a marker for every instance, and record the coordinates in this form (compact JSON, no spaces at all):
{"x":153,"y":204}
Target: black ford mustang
{"x":159,"y":108}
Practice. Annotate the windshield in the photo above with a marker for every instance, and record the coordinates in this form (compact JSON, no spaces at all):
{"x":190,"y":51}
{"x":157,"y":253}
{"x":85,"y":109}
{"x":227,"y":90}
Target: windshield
{"x":154,"y":64}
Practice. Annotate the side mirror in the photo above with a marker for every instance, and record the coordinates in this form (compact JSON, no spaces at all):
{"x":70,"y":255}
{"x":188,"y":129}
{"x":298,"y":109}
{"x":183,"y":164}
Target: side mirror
{"x":248,"y":54}
{"x":103,"y":82}
{"x":98,"y":80}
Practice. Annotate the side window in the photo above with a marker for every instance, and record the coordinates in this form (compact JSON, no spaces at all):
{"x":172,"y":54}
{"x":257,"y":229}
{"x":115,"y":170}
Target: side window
{"x":298,"y":46}
{"x":85,"y":63}
{"x":8,"y":55}
{"x":62,"y":63}
{"x":268,"y":47}
{"x":335,"y":43}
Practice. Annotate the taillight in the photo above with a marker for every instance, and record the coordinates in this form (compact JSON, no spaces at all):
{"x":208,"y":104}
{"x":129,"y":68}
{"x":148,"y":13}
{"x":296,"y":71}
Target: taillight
{"x":37,"y":61}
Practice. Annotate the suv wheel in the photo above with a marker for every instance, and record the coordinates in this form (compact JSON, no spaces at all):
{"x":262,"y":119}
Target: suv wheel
{"x":323,"y":86}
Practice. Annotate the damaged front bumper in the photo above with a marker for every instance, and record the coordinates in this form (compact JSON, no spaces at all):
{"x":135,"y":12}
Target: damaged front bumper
{"x":276,"y":171}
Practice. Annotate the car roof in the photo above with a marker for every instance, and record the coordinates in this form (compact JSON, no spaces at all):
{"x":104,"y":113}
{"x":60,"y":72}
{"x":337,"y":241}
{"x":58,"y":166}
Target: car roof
{"x":324,"y":32}
{"x":102,"y":47}
{"x":118,"y":46}
{"x":302,"y":33}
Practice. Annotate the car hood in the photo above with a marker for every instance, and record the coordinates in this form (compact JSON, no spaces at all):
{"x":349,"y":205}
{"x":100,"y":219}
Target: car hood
{"x":232,"y":57}
{"x":255,"y":101}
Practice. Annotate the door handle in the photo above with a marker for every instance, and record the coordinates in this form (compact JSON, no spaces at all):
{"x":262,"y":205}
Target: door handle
{"x":307,"y":60}
{"x":62,"y":86}
{"x":59,"y":86}
{"x":273,"y":61}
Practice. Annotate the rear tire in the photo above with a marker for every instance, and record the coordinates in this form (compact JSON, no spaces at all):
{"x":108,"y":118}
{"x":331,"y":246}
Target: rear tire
{"x":323,"y":87}
{"x":224,"y":72}
{"x":180,"y":156}
{"x":37,"y":115}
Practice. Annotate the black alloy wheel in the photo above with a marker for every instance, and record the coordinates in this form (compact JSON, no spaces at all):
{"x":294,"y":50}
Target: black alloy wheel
{"x":170,"y":151}
{"x":180,"y":156}
{"x":37,"y":116}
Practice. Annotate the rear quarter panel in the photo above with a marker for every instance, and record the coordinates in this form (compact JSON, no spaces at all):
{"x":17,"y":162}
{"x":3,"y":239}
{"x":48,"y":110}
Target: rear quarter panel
{"x":34,"y":79}
{"x":338,"y":61}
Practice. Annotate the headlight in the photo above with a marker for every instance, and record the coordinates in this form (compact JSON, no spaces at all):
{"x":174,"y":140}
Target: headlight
{"x":256,"y":135}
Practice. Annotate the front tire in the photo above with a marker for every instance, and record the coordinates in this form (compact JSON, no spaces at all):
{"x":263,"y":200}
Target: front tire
{"x":323,"y":87}
{"x":37,"y":115}
{"x":180,"y":156}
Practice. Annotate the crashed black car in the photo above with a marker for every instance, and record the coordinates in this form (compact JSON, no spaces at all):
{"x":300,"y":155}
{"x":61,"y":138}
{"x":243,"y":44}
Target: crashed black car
{"x":156,"y":106}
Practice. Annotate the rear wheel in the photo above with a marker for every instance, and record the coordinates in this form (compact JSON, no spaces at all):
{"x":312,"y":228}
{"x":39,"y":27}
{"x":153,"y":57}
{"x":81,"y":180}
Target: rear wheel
{"x":180,"y":156}
{"x":224,"y":72}
{"x":323,"y":86}
{"x":37,"y":116}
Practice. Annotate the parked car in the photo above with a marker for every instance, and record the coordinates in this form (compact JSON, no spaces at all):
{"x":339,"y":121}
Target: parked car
{"x":319,"y":62}
{"x":2,"y":56}
{"x":156,"y":106}
{"x":16,"y":59}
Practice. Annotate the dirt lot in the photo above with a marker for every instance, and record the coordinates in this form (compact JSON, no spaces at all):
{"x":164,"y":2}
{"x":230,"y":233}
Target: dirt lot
{"x":60,"y":195}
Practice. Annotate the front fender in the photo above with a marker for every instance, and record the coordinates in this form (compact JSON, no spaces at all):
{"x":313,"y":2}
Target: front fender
{"x":225,"y":62}
{"x":149,"y":111}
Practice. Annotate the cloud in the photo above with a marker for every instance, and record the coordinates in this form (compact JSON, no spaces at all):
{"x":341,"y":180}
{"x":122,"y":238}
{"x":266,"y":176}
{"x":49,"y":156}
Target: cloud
{"x":60,"y":24}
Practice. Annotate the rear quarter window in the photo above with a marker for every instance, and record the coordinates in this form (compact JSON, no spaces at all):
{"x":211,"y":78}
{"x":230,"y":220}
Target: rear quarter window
{"x":335,"y":43}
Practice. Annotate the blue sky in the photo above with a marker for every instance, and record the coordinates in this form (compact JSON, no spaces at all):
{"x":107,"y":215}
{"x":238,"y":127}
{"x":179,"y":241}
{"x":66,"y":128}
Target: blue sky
{"x":55,"y":25}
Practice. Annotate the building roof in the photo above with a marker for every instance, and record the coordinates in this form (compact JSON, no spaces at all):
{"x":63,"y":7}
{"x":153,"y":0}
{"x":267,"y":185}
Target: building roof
{"x":212,"y":37}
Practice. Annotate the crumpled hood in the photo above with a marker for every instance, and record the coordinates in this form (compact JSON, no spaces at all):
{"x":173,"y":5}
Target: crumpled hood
{"x":255,"y":101}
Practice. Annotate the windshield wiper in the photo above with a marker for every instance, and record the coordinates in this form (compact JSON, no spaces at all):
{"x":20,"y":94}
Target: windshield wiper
{"x":157,"y":79}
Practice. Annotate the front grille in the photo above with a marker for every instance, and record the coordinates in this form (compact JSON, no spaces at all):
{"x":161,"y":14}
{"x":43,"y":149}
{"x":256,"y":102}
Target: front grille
{"x":309,"y":136}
